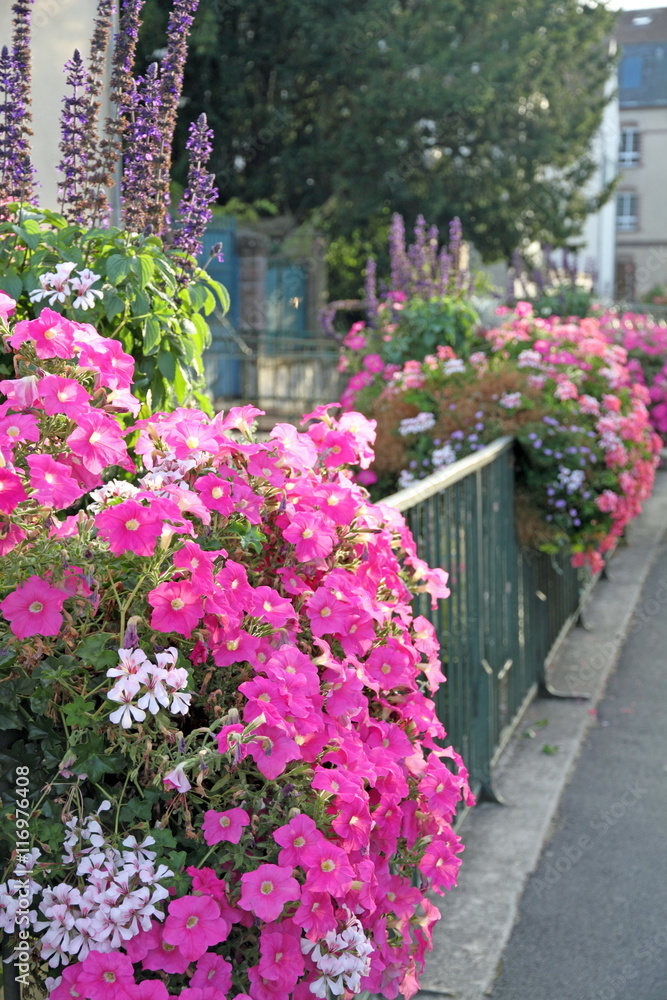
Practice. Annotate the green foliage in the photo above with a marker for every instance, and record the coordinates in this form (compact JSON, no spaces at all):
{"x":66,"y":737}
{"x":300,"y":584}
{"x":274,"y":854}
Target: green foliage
{"x":152,"y":301}
{"x":481,"y":109}
{"x":565,"y":301}
{"x":425,"y":323}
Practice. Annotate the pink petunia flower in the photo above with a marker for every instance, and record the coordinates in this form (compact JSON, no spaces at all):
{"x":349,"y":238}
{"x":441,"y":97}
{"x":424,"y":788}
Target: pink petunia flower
{"x":63,"y":395}
{"x":35,"y":608}
{"x":281,"y":961}
{"x":7,"y":305}
{"x":313,"y":536}
{"x":177,"y":607}
{"x":213,"y":970}
{"x":149,"y":989}
{"x":265,"y":891}
{"x":106,"y":976}
{"x":227,"y":825}
{"x":11,"y":491}
{"x":177,"y":780}
{"x":129,"y":527}
{"x":98,"y":442}
{"x":51,"y":333}
{"x":194,"y":925}
{"x":295,"y":838}
{"x":328,"y":869}
{"x":52,"y":482}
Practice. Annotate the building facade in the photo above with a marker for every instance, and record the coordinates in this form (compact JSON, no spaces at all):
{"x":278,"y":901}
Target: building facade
{"x":641,"y":198}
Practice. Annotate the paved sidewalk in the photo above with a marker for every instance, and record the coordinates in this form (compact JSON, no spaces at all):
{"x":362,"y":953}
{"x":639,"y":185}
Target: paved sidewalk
{"x":504,"y":843}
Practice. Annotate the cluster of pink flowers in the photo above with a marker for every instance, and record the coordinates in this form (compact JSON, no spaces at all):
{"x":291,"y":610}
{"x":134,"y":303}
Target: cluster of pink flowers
{"x":645,"y":341}
{"x":341,"y":788}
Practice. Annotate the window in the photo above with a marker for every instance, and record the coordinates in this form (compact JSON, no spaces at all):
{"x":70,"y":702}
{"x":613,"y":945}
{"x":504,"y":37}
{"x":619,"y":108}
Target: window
{"x":628,"y":155}
{"x":626,"y":211}
{"x":631,"y":72}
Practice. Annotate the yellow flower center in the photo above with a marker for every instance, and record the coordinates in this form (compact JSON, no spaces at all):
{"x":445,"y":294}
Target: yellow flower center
{"x":225,"y":821}
{"x":132,"y":525}
{"x":192,"y":442}
{"x":94,"y":437}
{"x":35,"y":607}
{"x":266,"y":888}
{"x":49,"y":335}
{"x":192,"y":922}
{"x":13,"y":431}
{"x":307,"y":533}
{"x":299,"y":841}
{"x":328,"y":865}
{"x":177,"y":604}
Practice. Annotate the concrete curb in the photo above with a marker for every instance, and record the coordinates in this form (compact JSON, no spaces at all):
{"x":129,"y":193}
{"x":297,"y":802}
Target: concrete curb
{"x":504,"y":843}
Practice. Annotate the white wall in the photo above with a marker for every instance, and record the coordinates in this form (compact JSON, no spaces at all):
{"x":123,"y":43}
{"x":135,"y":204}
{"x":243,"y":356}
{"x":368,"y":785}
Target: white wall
{"x":58,"y":27}
{"x":599,"y":233}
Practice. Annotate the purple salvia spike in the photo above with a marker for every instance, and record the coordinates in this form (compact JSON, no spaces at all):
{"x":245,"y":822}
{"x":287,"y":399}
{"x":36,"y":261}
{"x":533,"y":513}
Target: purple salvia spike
{"x":398,"y":259}
{"x":143,"y":150}
{"x":24,"y":172}
{"x":180,"y":21}
{"x":455,"y":236}
{"x":370,"y":293}
{"x":100,"y":177}
{"x":122,"y":86}
{"x":9,"y":137}
{"x":195,"y":207}
{"x":444,"y":271}
{"x":74,"y":128}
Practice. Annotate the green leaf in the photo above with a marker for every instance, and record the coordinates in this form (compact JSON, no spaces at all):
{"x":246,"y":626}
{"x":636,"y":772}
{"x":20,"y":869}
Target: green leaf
{"x":152,"y":335}
{"x":118,"y":267}
{"x":144,"y":268}
{"x":166,"y":362}
{"x":78,"y":711}
{"x":28,"y":238}
{"x":11,"y":283}
{"x":180,"y":386}
{"x":113,"y":305}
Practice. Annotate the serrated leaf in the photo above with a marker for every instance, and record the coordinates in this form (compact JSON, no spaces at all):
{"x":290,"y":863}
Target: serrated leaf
{"x":144,"y":268}
{"x":118,"y":267}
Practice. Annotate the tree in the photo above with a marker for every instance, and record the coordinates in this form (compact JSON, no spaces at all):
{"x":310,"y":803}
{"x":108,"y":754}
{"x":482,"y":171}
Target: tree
{"x":341,"y":112}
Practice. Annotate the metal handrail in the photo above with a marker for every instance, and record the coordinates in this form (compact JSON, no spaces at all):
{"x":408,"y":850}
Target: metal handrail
{"x":443,"y":478}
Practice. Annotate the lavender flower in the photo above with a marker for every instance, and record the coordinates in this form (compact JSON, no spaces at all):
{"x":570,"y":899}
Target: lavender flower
{"x":74,"y":144}
{"x":194,"y":209}
{"x":370,"y":291}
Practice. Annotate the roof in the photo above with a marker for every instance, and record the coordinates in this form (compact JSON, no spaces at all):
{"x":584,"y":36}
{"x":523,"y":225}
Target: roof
{"x":642,"y":72}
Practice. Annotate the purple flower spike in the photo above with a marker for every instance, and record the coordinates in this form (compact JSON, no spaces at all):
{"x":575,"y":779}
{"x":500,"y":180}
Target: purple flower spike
{"x":370,"y":294}
{"x":74,"y":129}
{"x":195,"y":207}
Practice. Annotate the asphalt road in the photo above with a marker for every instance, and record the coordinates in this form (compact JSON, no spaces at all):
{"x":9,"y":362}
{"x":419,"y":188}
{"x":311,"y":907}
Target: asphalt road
{"x":593,"y":918}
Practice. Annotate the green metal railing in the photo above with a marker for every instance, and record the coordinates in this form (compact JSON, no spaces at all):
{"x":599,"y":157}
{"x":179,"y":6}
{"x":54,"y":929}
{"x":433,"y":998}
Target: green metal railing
{"x":509,"y":606}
